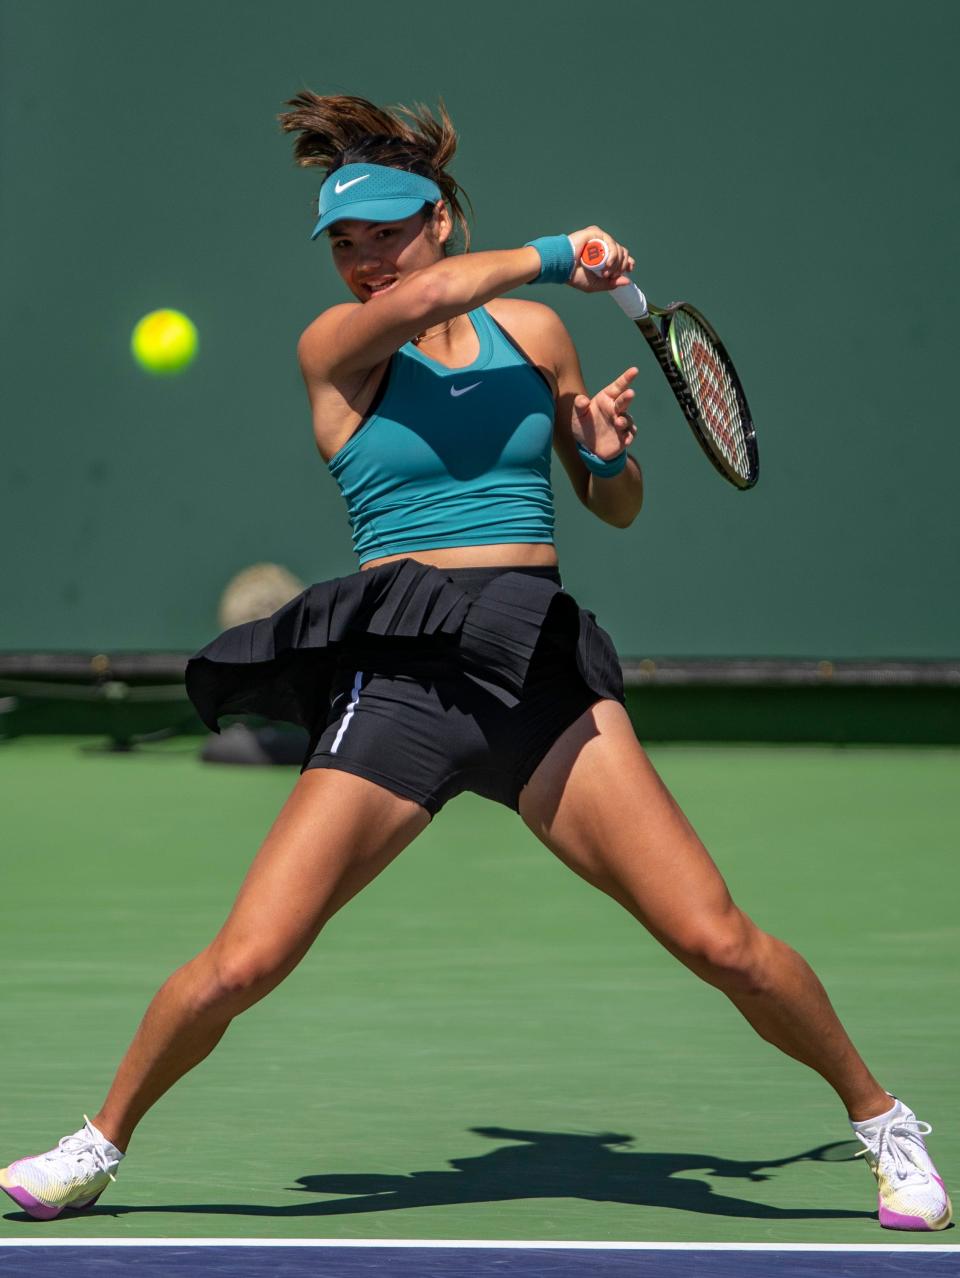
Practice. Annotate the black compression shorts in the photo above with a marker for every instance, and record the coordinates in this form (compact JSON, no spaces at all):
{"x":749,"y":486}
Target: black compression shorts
{"x":421,"y":726}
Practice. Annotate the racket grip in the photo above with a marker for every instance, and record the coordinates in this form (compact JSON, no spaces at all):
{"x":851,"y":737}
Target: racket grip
{"x":628,"y":296}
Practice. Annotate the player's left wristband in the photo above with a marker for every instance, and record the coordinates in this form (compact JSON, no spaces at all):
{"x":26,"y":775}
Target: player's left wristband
{"x":557,"y":258}
{"x":597,"y":466}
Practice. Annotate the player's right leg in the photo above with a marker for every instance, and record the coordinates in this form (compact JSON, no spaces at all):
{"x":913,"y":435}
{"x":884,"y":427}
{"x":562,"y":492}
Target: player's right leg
{"x":335,"y":833}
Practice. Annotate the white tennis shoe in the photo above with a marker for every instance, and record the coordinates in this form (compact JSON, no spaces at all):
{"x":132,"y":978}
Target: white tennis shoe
{"x":73,"y":1175}
{"x":912,"y":1193}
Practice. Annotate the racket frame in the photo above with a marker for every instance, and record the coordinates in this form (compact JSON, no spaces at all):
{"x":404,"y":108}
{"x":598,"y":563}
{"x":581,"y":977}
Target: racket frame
{"x":656,"y":325}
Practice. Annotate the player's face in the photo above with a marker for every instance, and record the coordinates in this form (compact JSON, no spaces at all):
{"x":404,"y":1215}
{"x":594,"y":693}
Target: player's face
{"x":372,"y":257}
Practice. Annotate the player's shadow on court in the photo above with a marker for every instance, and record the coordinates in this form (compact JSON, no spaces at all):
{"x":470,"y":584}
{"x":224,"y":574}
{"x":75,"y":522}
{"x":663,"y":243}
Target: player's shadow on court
{"x":594,"y":1168}
{"x":590,"y":1167}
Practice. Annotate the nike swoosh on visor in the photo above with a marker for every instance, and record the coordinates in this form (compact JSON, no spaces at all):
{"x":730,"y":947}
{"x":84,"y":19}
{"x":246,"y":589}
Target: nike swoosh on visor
{"x":339,"y":189}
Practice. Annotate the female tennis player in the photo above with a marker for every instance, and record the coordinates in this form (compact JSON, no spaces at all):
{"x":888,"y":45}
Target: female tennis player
{"x":453,"y":660}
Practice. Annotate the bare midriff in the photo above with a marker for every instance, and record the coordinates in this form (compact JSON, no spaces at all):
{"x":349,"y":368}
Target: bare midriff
{"x":509,"y":555}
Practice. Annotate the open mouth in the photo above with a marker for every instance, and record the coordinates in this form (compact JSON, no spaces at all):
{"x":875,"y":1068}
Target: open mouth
{"x":374,"y":287}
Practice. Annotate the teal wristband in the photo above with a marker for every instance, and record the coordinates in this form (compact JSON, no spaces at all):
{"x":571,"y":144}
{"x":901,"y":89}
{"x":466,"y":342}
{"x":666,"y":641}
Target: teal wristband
{"x":597,"y":466}
{"x":556,"y":258}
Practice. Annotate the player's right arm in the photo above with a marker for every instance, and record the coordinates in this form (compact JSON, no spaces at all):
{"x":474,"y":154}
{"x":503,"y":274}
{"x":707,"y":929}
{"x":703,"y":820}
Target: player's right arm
{"x":350,"y":339}
{"x":353,"y":337}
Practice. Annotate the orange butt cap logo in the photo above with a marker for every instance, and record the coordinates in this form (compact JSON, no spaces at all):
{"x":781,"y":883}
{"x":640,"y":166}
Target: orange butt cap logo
{"x":594,"y":253}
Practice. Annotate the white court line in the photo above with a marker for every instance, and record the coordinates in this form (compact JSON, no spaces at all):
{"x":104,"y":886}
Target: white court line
{"x":508,"y":1244}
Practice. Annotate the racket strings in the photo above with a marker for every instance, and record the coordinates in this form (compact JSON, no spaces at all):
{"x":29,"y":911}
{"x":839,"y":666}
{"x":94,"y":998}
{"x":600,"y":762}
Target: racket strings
{"x":713,"y":391}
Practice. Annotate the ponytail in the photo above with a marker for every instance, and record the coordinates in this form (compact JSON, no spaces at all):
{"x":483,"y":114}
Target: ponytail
{"x":339,"y":129}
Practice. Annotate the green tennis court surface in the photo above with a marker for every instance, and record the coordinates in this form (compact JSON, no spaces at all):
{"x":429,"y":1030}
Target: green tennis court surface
{"x":480,"y":1046}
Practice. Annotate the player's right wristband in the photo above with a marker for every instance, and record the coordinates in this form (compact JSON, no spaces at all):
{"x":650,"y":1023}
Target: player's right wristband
{"x":557,"y":258}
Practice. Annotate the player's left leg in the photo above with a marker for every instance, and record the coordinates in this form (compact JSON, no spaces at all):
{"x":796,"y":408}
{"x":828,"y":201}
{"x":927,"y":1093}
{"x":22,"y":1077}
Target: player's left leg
{"x":596,"y":801}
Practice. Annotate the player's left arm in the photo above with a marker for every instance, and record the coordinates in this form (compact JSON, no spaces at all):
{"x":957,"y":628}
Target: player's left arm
{"x":603,"y":425}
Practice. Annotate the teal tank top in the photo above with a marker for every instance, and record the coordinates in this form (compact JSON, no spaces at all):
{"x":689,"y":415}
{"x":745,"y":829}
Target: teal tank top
{"x":451,"y":456}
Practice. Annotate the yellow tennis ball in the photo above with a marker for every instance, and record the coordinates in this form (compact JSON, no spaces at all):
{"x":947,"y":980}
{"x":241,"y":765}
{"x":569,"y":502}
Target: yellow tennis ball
{"x":164,"y":342}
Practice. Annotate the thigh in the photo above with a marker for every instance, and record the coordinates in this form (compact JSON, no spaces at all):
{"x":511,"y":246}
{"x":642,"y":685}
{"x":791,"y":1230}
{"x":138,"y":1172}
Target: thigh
{"x":335,"y":833}
{"x":597,"y":802}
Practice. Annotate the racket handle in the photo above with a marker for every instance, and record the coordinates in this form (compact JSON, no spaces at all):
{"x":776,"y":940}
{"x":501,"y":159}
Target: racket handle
{"x":628,"y":297}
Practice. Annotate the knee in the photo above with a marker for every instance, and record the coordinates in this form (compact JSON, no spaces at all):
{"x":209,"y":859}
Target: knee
{"x":728,"y":952}
{"x":234,"y":978}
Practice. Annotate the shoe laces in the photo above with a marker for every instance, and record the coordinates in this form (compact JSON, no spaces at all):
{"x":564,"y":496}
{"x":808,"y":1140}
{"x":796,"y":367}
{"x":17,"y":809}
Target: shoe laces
{"x":896,"y":1142}
{"x":81,"y":1147}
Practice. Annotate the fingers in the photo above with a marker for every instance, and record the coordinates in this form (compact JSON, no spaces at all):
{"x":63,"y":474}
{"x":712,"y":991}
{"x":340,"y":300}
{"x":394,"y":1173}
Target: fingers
{"x":604,"y":423}
{"x":613,"y":406}
{"x":621,"y":395}
{"x":619,"y":386}
{"x":580,"y":239}
{"x":614,"y":271}
{"x":617,"y":265}
{"x":613,"y":401}
{"x":621,"y":417}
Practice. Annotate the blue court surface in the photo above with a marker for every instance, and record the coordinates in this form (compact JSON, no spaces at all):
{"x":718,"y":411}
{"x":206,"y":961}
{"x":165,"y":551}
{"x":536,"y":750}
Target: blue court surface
{"x":160,"y":1258}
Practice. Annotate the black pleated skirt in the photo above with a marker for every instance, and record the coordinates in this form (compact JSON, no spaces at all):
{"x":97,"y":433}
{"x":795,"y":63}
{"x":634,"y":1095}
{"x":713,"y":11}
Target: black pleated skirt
{"x":399,"y":614}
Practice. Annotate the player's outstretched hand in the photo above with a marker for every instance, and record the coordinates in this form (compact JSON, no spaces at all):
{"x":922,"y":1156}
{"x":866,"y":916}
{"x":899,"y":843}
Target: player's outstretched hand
{"x":603,"y":424}
{"x":616,"y":267}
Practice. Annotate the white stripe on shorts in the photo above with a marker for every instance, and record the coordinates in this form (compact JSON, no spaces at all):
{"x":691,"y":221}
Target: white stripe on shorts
{"x":355,"y":694}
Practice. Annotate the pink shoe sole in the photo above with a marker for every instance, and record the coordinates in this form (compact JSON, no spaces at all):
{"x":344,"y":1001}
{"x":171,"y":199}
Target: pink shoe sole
{"x":38,"y":1210}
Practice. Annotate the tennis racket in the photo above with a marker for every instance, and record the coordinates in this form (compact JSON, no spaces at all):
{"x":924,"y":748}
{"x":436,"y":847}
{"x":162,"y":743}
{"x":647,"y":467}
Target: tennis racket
{"x":700,"y":372}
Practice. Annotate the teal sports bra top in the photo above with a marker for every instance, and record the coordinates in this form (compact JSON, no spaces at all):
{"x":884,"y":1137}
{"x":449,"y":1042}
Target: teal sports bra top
{"x":451,"y":456}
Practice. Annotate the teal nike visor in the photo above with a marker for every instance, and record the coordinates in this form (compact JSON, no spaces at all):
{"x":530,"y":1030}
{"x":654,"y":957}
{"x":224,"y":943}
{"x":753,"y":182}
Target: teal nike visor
{"x":372,"y":193}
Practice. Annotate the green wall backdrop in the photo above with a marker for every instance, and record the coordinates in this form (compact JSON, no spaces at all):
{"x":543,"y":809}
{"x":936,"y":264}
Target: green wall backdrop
{"x":791,"y":168}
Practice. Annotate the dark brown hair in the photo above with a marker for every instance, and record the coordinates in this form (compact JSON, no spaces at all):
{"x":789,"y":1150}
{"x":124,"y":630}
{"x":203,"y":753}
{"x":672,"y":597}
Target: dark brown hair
{"x":339,"y":129}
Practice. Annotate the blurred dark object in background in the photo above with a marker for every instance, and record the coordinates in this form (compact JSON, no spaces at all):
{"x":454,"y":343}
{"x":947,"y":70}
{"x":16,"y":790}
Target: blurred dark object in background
{"x":241,"y":743}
